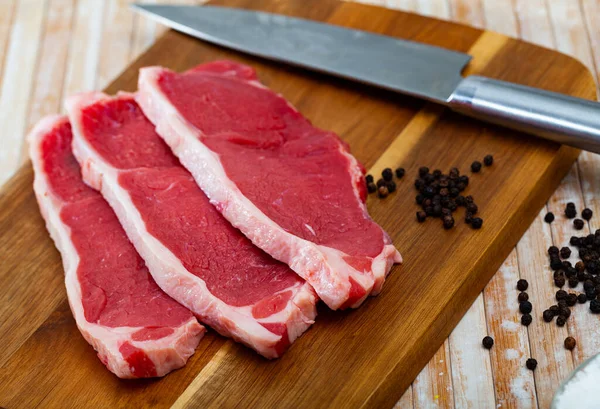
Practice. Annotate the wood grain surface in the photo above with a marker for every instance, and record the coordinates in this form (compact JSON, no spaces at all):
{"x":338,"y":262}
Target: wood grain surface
{"x":362,"y":358}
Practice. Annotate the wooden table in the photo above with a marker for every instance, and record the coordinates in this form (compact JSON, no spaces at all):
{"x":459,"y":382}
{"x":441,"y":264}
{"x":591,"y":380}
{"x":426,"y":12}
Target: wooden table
{"x":52,"y":48}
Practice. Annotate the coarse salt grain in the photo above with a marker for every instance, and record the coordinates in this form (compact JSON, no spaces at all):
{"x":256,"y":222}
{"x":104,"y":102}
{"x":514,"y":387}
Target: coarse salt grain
{"x":581,"y":390}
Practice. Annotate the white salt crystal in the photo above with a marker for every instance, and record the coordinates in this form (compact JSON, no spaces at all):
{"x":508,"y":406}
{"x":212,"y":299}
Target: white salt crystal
{"x":582,"y":389}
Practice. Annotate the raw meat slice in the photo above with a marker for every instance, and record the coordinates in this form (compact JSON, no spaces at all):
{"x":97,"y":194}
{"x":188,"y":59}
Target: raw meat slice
{"x":293,"y":189}
{"x":193,"y":253}
{"x":137,"y":330}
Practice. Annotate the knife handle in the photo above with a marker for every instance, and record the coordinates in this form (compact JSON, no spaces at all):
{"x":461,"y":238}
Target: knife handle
{"x":557,"y":117}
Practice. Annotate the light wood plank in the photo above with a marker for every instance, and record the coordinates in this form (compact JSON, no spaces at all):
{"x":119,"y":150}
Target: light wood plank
{"x":468,"y":12}
{"x":116,"y":42}
{"x":546,"y":339}
{"x":591,"y":12}
{"x":7,"y":13}
{"x":49,"y":76}
{"x":513,"y":383}
{"x":406,"y":401}
{"x":472,"y":378}
{"x":84,"y":53}
{"x":534,"y":22}
{"x":435,"y":8}
{"x":433,"y":386}
{"x":16,"y":84}
{"x":500,"y":16}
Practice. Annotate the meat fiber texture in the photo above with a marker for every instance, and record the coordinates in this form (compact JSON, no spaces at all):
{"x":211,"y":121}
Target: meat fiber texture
{"x":192,"y":252}
{"x":136,"y":329}
{"x":293,"y":189}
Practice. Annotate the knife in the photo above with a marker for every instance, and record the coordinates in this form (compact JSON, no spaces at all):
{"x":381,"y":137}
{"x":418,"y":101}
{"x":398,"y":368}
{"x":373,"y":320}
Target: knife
{"x":412,"y":68}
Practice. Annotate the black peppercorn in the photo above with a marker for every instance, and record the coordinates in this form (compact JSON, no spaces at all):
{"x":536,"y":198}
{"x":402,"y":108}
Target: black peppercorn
{"x":454,"y":173}
{"x":380,"y":182}
{"x":400,"y":173}
{"x":570,"y":212}
{"x":454,"y":192}
{"x":371,"y":187}
{"x":419,"y":184}
{"x":444,"y":192}
{"x":525,"y":307}
{"x":387,"y":174}
{"x":554,"y":309}
{"x":477,"y":222}
{"x":476,"y":166}
{"x":559,"y":281}
{"x":446,"y":211}
{"x":571,"y":299}
{"x":437,"y":210}
{"x":469,"y":199}
{"x":423,"y":170}
{"x":488,"y":160}
{"x":595,"y":306}
{"x":369,"y":179}
{"x":421,"y":216}
{"x":561,"y":321}
{"x":460,"y":201}
{"x":573,"y":282}
{"x":383,"y":192}
{"x":531,"y":364}
{"x":523,"y":297}
{"x":428,"y":191}
{"x":429,"y":210}
{"x":581,"y":298}
{"x":526,"y":319}
{"x":580,"y":266}
{"x":570,"y":343}
{"x":437,"y":173}
{"x":451,"y":205}
{"x":564,"y":312}
{"x":565,"y":252}
{"x":420,"y":198}
{"x":561,"y":295}
{"x":391,"y":185}
{"x":571,"y":205}
{"x":548,"y":315}
{"x":468,"y":218}
{"x":556,"y":264}
{"x":587,"y":213}
{"x":578,"y":224}
{"x":522,"y":285}
{"x":487,"y":342}
{"x":464,"y":179}
{"x":588,"y":285}
{"x":574,"y":241}
{"x":549,"y":218}
{"x":553,"y":250}
{"x":448,"y":222}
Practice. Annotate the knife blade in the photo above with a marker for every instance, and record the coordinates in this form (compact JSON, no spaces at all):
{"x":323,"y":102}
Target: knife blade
{"x":412,"y":68}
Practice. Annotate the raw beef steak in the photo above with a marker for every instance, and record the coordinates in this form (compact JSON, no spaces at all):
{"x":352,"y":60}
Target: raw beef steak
{"x":293,"y":189}
{"x":136,"y":328}
{"x":192,"y":252}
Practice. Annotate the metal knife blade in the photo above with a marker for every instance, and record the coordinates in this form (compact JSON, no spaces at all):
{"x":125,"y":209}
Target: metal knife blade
{"x":412,"y":68}
{"x":421,"y":70}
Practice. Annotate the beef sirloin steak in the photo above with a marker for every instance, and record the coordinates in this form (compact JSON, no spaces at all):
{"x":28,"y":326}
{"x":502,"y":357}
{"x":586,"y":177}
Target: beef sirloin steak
{"x":137,"y":330}
{"x":293,"y":189}
{"x":193,"y":253}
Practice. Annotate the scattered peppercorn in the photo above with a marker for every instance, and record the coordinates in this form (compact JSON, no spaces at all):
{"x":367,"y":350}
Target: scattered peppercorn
{"x":561,"y":295}
{"x":559,"y":281}
{"x":472,"y":208}
{"x":477,"y":222}
{"x":548,"y":315}
{"x":488,"y":160}
{"x":400,"y":173}
{"x":571,"y":299}
{"x":549,"y":218}
{"x":380,"y":182}
{"x":383,"y":191}
{"x":522,"y":285}
{"x":570,"y":343}
{"x":423,"y":170}
{"x":487,"y":342}
{"x":595,"y":306}
{"x":578,"y":224}
{"x":369,"y":179}
{"x":525,"y":307}
{"x":573,"y":282}
{"x":580,"y":266}
{"x":531,"y":364}
{"x":526,"y":319}
{"x":371,"y":187}
{"x":476,"y":166}
{"x":387,"y":174}
{"x":523,"y":297}
{"x":581,"y":298}
{"x":448,"y":222}
{"x":421,"y":216}
{"x":561,"y":321}
{"x":391,"y":185}
{"x":574,"y":241}
{"x":553,"y":250}
{"x":587,"y":213}
{"x":570,"y":211}
{"x":565,"y":252}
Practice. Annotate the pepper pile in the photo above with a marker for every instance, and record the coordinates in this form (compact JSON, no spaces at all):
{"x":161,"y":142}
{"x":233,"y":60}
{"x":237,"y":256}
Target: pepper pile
{"x":440,"y":196}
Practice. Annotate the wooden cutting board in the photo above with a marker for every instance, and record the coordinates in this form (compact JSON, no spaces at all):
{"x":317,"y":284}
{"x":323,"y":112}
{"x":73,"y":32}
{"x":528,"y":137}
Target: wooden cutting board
{"x":363,"y":358}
